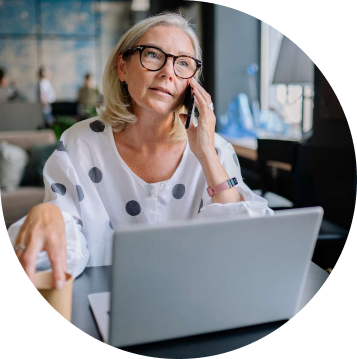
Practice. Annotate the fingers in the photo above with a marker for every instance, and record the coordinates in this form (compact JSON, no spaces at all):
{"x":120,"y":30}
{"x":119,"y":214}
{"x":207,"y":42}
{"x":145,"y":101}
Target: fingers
{"x":199,"y":89}
{"x":191,"y":127}
{"x":205,"y":113}
{"x":43,"y":229}
{"x":55,"y":250}
{"x":28,"y":256}
{"x":58,"y":272}
{"x":64,"y":253}
{"x":200,"y":102}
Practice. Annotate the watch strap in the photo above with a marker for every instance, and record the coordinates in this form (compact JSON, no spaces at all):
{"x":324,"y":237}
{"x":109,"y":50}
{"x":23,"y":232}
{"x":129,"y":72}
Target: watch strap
{"x":222,"y":186}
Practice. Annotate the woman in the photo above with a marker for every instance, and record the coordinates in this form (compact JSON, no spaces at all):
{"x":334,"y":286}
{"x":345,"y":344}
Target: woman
{"x":135,"y":163}
{"x":46,"y":94}
{"x":8,"y":90}
{"x":4,"y":86}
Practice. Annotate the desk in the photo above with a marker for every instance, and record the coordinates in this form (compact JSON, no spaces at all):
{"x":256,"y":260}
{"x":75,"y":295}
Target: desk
{"x":96,"y":280}
{"x":246,"y":147}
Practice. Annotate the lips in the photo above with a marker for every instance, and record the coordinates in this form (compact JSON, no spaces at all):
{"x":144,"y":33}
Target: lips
{"x":161,"y":89}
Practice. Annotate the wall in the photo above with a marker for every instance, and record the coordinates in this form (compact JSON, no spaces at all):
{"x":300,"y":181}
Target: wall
{"x":237,"y":43}
{"x":70,"y":37}
{"x":73,"y":38}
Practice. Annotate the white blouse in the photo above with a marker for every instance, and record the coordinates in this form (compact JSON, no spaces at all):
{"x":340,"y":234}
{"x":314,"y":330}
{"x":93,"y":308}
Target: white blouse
{"x":47,"y":91}
{"x":97,"y":193}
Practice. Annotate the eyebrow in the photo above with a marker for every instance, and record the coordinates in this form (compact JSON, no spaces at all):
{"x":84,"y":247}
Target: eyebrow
{"x":180,"y":53}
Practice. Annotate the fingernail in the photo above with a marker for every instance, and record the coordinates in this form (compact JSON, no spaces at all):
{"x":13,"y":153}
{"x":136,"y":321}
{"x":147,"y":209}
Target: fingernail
{"x":59,"y":284}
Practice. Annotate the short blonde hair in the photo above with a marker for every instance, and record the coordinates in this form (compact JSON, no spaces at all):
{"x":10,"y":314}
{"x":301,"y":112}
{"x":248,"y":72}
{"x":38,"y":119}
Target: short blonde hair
{"x":117,"y":110}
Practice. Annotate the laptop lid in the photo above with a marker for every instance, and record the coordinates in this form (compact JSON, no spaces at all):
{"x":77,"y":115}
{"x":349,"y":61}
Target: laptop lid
{"x":194,"y":277}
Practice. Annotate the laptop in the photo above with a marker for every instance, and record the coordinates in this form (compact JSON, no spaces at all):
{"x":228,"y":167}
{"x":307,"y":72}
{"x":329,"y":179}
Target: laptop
{"x":193,"y":277}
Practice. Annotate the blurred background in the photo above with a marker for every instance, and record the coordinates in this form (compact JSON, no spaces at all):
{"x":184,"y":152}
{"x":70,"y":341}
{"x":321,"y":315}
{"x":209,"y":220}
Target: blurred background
{"x":271,"y":102}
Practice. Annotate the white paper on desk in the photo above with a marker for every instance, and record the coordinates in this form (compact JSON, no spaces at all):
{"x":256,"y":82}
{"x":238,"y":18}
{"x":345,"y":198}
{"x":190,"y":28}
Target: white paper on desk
{"x":100,"y":303}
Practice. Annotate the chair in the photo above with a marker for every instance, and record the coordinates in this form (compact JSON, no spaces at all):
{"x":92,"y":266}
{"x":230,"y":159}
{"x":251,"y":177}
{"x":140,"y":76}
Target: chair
{"x":19,"y":116}
{"x":275,"y":163}
{"x":326,"y":177}
{"x":16,"y":204}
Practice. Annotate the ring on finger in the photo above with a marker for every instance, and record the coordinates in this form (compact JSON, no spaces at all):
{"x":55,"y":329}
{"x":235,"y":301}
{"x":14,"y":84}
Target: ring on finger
{"x":20,"y":247}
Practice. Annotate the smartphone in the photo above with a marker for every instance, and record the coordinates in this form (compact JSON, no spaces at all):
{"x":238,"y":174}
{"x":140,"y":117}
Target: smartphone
{"x":190,"y":101}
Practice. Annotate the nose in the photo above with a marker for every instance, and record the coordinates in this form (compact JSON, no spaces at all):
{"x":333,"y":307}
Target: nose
{"x":168,"y":69}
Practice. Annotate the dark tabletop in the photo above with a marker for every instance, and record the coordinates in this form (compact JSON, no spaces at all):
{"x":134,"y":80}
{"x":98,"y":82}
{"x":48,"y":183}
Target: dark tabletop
{"x":96,"y":280}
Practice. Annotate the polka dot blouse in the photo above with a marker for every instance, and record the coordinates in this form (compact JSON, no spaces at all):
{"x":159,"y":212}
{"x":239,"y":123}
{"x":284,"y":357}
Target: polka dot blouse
{"x":97,"y":193}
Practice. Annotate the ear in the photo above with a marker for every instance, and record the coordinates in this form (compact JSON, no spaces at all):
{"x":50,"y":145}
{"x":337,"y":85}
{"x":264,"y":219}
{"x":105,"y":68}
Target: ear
{"x":121,"y":68}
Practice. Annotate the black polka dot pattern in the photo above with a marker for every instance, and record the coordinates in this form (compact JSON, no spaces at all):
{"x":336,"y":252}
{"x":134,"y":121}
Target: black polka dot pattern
{"x":95,"y":174}
{"x":97,"y":126}
{"x":178,"y":191}
{"x":60,"y":146}
{"x":58,"y":188}
{"x":201,"y":205}
{"x":80,"y":193}
{"x":235,"y":158}
{"x":133,"y":208}
{"x":111,"y":225}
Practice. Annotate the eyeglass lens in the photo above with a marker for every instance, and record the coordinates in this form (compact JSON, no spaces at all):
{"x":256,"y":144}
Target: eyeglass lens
{"x":153,"y":59}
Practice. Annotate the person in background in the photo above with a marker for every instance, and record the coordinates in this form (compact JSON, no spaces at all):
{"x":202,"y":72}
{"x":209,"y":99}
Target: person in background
{"x":88,"y":95}
{"x":8,"y":90}
{"x":47,"y":95}
{"x":89,"y":98}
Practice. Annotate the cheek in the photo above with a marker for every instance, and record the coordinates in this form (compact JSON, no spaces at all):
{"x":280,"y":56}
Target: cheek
{"x":135,"y":88}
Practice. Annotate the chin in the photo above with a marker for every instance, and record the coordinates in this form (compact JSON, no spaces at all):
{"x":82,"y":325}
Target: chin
{"x":162,"y":109}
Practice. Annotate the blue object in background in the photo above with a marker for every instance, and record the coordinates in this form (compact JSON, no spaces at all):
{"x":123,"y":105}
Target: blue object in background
{"x":272,"y":122}
{"x":238,"y":120}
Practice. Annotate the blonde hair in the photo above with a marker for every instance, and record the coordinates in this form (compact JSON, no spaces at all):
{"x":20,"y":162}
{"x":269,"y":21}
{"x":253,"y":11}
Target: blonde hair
{"x":117,"y":110}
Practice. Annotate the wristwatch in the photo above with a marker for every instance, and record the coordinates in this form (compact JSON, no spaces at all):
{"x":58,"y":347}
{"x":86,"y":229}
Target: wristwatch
{"x":222,"y":186}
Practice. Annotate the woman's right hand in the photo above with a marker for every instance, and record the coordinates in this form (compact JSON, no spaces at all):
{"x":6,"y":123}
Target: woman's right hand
{"x":43,"y":229}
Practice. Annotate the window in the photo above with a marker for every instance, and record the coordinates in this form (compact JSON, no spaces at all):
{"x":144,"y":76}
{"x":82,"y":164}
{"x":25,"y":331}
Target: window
{"x":291,"y":101}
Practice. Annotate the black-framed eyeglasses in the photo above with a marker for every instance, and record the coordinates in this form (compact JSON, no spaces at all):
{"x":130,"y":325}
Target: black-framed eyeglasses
{"x":154,"y":59}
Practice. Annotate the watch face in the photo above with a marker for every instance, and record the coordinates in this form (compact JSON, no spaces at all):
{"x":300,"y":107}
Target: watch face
{"x":235,"y":180}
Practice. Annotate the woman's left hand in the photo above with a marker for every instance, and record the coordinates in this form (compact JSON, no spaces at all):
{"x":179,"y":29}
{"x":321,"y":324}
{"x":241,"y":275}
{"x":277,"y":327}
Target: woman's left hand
{"x":201,"y":138}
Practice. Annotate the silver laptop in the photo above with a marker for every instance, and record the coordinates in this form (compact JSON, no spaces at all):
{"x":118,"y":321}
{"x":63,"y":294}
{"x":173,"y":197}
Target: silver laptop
{"x":194,"y":277}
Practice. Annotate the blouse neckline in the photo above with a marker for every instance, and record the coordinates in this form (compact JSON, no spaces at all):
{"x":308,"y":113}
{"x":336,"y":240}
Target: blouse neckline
{"x":112,"y":140}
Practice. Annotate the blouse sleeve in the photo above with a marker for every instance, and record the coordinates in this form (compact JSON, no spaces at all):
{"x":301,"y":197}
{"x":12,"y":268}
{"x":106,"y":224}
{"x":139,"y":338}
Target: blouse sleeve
{"x":252,"y":206}
{"x":62,"y":188}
